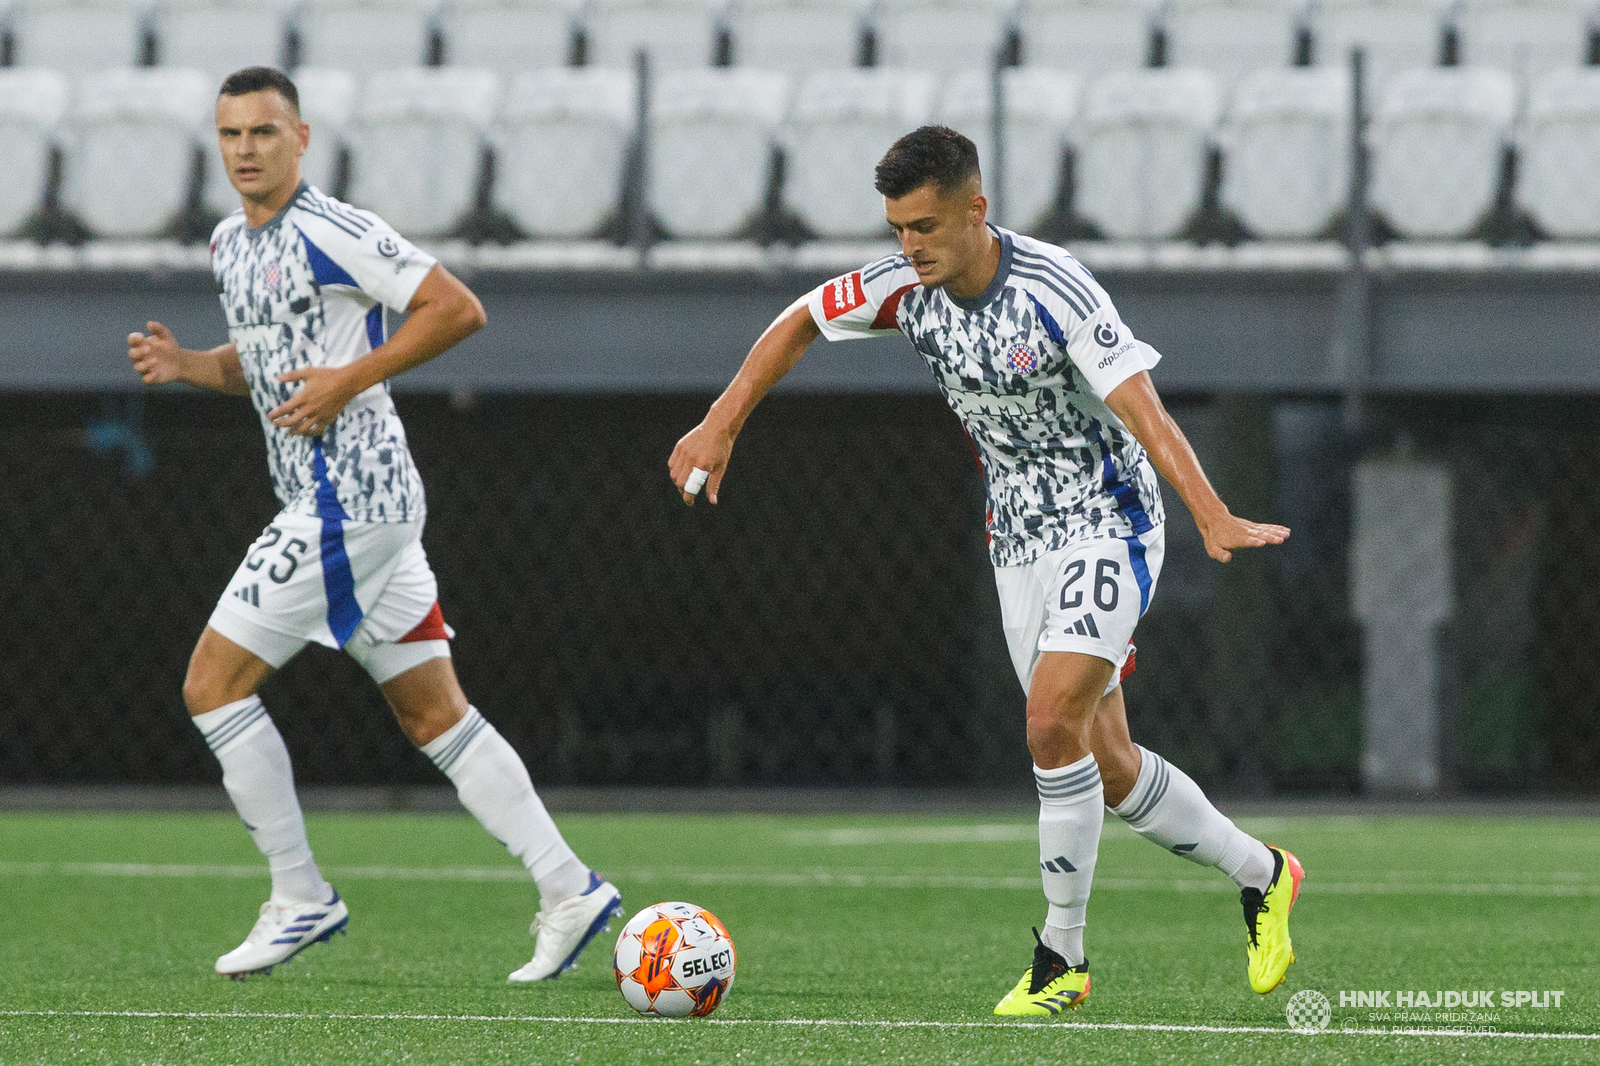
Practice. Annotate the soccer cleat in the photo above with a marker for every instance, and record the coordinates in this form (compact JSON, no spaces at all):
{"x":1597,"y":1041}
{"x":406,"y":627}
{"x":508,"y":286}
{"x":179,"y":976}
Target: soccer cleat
{"x":564,"y":931}
{"x":1266,"y":922}
{"x":1048,"y":987}
{"x":281,"y":932}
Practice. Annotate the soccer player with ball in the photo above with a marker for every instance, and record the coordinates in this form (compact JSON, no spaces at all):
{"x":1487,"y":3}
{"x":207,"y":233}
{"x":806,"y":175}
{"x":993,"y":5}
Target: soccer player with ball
{"x":1056,"y":395}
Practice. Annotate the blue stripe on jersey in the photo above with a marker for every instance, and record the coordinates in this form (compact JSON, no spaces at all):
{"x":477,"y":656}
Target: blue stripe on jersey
{"x":375,"y":325}
{"x":1127,"y":497}
{"x":325,"y":271}
{"x":1051,"y":327}
{"x":344,"y":613}
{"x":1053,"y":285}
{"x":1050,"y":266}
{"x":1141,"y":571}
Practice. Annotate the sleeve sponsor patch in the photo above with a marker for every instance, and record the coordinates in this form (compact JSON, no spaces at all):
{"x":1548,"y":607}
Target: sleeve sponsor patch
{"x":842,"y":295}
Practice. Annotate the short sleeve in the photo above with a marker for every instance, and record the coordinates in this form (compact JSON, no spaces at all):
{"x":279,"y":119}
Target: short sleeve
{"x":364,"y":251}
{"x":863,"y":303}
{"x":1106,"y":352}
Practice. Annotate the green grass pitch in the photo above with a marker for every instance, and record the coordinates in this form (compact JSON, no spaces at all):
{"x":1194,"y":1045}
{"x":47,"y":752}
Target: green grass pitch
{"x":861,"y":939}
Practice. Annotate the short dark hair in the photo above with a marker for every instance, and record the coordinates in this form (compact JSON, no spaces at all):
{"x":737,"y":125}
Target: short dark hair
{"x":261,"y":79}
{"x":936,"y":155}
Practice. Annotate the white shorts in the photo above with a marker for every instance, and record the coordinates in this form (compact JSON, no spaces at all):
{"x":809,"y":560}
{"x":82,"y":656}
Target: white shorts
{"x":365,"y":587}
{"x":1085,"y":598}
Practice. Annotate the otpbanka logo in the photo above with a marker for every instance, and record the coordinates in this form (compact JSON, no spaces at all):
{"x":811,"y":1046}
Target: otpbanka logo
{"x":1308,"y":1011}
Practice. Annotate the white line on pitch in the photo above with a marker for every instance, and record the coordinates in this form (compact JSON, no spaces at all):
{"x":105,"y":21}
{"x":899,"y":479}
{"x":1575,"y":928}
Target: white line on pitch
{"x":795,"y":879}
{"x":1136,"y":1027}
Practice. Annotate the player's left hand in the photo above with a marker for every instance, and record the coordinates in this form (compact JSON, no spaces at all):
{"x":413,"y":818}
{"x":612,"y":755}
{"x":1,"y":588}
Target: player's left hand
{"x":314,"y":406}
{"x":1223,"y":535}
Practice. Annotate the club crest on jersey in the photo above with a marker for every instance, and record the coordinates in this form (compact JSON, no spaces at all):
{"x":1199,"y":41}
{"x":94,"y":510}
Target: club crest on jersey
{"x":272,"y":277}
{"x":1021,"y":359}
{"x":842,"y":295}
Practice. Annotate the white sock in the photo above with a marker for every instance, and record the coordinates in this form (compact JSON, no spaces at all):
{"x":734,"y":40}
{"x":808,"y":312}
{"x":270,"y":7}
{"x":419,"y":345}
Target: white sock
{"x":1071,"y":811}
{"x":1167,"y":808}
{"x":260,"y":781}
{"x":494,"y":785}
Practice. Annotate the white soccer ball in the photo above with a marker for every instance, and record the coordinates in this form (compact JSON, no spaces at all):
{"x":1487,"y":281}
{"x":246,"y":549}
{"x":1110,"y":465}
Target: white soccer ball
{"x":674,"y":960}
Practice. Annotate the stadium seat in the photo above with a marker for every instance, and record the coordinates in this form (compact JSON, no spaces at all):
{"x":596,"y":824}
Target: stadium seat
{"x":78,"y":36}
{"x":1560,"y":153}
{"x":1231,"y":38}
{"x":129,"y":148}
{"x":1525,"y":37}
{"x":797,"y":36}
{"x":1040,"y":104}
{"x":508,"y":36}
{"x":363,"y":35}
{"x":939,"y":34}
{"x":676,"y":33}
{"x":31,"y":105}
{"x":416,"y":145}
{"x":1395,"y":34}
{"x":711,"y":138}
{"x":1437,"y":141}
{"x":1143,"y":139}
{"x":220,"y":36}
{"x":327,"y":98}
{"x":841,"y":124}
{"x":1287,"y":150}
{"x":560,"y":145}
{"x":1086,"y":36}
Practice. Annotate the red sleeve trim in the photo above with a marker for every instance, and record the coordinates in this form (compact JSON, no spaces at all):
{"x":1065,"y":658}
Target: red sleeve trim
{"x":888,"y":312}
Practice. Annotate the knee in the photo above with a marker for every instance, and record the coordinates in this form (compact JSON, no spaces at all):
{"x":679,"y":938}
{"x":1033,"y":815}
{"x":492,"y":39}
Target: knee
{"x":423,"y":725}
{"x":1119,"y":770}
{"x":201,"y":693}
{"x":1058,"y":733}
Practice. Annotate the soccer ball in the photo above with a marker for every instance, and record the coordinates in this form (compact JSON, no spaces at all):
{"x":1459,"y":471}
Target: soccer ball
{"x":674,"y":960}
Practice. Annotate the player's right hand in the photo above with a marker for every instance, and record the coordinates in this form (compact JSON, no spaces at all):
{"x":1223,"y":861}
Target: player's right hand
{"x":706,"y":448}
{"x":156,"y":357}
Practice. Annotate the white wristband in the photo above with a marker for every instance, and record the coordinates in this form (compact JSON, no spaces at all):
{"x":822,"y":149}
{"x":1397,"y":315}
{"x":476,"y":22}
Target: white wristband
{"x":696,"y":482}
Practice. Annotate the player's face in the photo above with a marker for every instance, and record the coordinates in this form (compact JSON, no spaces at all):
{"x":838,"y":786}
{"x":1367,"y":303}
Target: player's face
{"x":262,"y":139}
{"x":941,"y":233}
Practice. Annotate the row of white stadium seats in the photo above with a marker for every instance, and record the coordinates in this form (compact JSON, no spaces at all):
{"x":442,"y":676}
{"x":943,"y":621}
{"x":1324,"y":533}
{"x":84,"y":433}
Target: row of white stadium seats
{"x":1228,"y":37}
{"x":1140,"y":141}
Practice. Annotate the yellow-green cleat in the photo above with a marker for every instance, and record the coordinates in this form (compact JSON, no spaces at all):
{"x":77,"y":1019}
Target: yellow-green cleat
{"x":1048,"y":987}
{"x":1266,"y":921}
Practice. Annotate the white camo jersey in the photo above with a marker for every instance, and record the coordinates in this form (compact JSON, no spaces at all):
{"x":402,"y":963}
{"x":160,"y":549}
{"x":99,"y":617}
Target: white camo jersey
{"x":309,"y":288}
{"x":1026,"y":366}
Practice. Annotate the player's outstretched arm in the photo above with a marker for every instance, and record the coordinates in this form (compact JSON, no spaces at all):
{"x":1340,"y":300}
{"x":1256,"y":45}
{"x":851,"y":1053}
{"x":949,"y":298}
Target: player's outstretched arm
{"x":159,"y":361}
{"x":444,"y":312}
{"x":709,"y":445}
{"x":1141,"y":410}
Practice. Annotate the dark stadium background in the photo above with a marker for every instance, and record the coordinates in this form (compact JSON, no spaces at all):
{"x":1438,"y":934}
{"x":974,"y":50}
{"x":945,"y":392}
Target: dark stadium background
{"x":833,"y":621}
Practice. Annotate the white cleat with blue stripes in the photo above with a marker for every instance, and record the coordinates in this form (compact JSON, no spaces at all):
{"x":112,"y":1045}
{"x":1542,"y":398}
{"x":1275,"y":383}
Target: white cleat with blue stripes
{"x":281,"y":932}
{"x":565,"y":930}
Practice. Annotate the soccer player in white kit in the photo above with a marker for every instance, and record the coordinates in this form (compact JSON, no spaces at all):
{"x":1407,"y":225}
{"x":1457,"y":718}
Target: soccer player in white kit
{"x":304,"y":283}
{"x":1055,"y":393}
